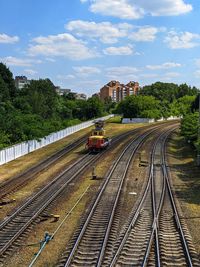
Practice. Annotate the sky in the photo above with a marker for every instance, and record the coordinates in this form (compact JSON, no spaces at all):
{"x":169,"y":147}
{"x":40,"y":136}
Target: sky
{"x":83,"y":44}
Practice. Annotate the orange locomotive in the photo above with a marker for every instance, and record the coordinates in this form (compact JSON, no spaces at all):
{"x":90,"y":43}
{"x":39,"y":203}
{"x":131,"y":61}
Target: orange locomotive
{"x":97,"y":141}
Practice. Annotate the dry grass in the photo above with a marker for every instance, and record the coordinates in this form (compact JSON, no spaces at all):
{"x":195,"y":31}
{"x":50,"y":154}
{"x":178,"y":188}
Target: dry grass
{"x":17,"y":166}
{"x":54,"y":249}
{"x":186,"y":182}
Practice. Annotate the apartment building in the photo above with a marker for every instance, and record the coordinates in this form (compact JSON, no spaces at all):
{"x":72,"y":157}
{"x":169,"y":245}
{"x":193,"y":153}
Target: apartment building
{"x":21,"y":81}
{"x":118,"y":91}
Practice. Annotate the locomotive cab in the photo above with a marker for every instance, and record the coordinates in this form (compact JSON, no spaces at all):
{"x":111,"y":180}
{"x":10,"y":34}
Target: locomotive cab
{"x":97,"y":140}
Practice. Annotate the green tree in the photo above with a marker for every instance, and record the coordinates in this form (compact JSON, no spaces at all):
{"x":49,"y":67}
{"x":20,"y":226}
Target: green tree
{"x":4,"y":91}
{"x":139,"y":106}
{"x":94,"y":108}
{"x":41,"y":97}
{"x":182,"y":106}
{"x":7,"y":77}
{"x":189,"y":126}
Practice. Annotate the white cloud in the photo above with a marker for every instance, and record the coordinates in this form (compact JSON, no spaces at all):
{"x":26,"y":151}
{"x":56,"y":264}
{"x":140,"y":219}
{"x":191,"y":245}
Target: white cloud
{"x":123,"y":73}
{"x":164,"y":7}
{"x":182,"y":40}
{"x":6,"y":39}
{"x":117,"y":8}
{"x":118,"y":51}
{"x":148,"y":75}
{"x":197,"y":62}
{"x":65,"y":77}
{"x":145,"y":34}
{"x":167,"y":65}
{"x":134,"y":9}
{"x":106,"y":32}
{"x":30,"y":71}
{"x":64,"y":45}
{"x":85,"y":71}
{"x":197,"y":73}
{"x":50,"y":59}
{"x":171,"y":75}
{"x":21,"y":62}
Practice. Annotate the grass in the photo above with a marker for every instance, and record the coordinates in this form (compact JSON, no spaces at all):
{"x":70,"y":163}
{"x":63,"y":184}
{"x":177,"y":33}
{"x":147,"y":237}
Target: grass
{"x":186,"y":182}
{"x":54,"y":249}
{"x":115,"y":119}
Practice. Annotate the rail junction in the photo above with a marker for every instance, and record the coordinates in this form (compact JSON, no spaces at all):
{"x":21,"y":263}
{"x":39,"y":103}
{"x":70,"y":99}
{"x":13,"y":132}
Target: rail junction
{"x":151,"y":233}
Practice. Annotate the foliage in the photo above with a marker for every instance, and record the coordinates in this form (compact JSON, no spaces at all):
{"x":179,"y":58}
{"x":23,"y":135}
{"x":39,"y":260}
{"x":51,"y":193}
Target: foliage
{"x":37,"y":110}
{"x":182,"y":106}
{"x":168,"y":91}
{"x":139,"y":106}
{"x":174,"y":99}
{"x":7,"y":77}
{"x":189,"y":126}
{"x":115,"y":119}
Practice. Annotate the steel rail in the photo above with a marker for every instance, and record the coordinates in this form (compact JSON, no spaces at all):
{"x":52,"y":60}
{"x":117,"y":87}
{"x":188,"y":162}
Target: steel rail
{"x":137,"y":213}
{"x":10,"y":185}
{"x":180,"y":229}
{"x":71,"y":255}
{"x":59,"y":176}
{"x":155,"y":227}
{"x":155,"y":231}
{"x":116,"y":202}
{"x":53,"y":196}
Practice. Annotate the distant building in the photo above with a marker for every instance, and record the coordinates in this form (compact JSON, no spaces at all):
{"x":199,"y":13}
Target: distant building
{"x":118,"y":91}
{"x":96,"y":95}
{"x":62,"y":91}
{"x":21,"y":81}
{"x":80,"y":96}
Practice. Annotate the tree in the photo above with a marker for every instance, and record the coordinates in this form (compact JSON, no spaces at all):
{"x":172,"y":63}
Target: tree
{"x":69,"y":96}
{"x":109,"y":105}
{"x":168,"y":91}
{"x":41,"y":97}
{"x":182,"y":106}
{"x":7,"y":77}
{"x":4,"y":91}
{"x":161,"y":91}
{"x":189,"y":126}
{"x":94,"y":108}
{"x":139,"y":106}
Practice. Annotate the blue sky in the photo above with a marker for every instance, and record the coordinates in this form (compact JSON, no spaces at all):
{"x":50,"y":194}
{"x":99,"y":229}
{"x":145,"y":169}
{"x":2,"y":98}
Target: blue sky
{"x":83,"y":44}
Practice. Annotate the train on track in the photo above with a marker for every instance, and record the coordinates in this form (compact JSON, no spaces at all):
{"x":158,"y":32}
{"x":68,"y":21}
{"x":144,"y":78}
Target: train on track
{"x":97,"y":141}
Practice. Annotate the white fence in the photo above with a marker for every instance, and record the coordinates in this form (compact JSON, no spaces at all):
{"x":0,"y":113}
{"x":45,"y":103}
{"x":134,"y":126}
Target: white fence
{"x":137,"y":120}
{"x":146,"y":120}
{"x":24,"y":148}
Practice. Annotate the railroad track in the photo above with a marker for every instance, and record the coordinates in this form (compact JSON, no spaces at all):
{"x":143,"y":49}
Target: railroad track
{"x":89,"y":243}
{"x":13,"y":184}
{"x":154,"y":235}
{"x":18,"y":222}
{"x":173,"y":242}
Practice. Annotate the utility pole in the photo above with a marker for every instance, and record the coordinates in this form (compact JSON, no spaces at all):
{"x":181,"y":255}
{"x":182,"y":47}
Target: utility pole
{"x":198,"y":137}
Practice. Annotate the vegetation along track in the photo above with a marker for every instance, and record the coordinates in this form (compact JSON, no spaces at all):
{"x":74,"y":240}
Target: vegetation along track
{"x":154,"y":235}
{"x":89,"y":243}
{"x":13,"y":226}
{"x":13,"y":184}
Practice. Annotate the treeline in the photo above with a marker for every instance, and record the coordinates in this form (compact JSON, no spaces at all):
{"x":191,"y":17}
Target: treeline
{"x":37,"y":110}
{"x":159,"y":100}
{"x":190,"y":125}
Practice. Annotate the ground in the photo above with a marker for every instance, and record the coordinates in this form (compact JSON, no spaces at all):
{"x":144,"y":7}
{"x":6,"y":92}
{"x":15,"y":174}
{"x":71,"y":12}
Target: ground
{"x":186,"y":183}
